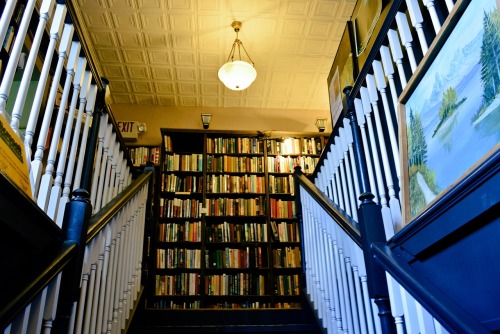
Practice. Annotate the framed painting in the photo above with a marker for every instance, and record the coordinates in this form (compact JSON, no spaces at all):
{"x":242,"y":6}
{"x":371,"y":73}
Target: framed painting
{"x":450,"y":110}
{"x":342,"y":73}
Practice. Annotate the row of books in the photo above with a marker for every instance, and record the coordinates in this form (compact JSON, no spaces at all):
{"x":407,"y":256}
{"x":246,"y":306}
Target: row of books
{"x":142,"y":155}
{"x":294,"y":146}
{"x":235,"y":184}
{"x":230,"y":232}
{"x":281,"y":209}
{"x":241,"y":145}
{"x":235,"y":206}
{"x":241,"y":284}
{"x":288,"y":257}
{"x":188,"y":231}
{"x":176,"y":183}
{"x":237,"y":258}
{"x":183,"y":284}
{"x":244,"y":305}
{"x":180,"y":208}
{"x":178,"y":258}
{"x":183,"y":162}
{"x":281,"y":164}
{"x":286,"y":231}
{"x":235,"y":164}
{"x":170,"y":304}
{"x":287,"y":285}
{"x":281,"y":184}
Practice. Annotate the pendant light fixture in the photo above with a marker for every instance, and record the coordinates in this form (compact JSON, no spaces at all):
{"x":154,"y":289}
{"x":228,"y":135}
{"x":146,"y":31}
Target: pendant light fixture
{"x":237,"y":74}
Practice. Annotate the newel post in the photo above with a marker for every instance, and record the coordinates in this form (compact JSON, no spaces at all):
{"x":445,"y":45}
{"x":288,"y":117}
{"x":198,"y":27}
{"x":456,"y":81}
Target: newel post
{"x":75,"y":226}
{"x":88,"y":161}
{"x":370,"y":223}
{"x":300,"y":220}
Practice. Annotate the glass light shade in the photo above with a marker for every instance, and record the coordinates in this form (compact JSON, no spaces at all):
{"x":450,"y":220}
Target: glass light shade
{"x":237,"y":75}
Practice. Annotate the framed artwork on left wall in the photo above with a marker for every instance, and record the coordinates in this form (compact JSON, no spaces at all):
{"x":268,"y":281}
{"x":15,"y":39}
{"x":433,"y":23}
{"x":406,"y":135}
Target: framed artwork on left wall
{"x":342,"y":73}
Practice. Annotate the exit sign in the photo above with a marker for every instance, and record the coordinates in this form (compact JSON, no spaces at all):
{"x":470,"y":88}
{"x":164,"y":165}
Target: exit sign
{"x":128,"y":130}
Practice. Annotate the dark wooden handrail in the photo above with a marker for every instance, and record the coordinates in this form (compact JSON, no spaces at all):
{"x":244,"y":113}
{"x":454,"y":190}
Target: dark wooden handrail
{"x":330,"y":208}
{"x":15,"y":305}
{"x":100,"y":219}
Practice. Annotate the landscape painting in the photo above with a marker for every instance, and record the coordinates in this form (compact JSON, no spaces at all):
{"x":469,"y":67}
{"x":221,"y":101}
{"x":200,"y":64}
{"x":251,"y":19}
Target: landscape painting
{"x":453,"y":115}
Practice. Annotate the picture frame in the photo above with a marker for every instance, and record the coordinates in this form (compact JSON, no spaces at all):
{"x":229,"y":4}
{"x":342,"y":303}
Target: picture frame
{"x":450,"y":110}
{"x":342,"y":73}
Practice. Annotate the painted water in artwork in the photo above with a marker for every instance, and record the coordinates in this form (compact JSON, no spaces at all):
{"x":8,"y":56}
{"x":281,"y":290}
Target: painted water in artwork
{"x":453,"y":116}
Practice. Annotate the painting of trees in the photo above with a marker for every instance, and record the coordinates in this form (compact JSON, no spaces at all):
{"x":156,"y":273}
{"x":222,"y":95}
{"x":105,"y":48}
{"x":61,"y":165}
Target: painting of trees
{"x":489,"y":58}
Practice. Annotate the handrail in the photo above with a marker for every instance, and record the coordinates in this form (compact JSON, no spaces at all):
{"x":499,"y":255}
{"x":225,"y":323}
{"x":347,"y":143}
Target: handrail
{"x":449,"y":314}
{"x":344,"y":221}
{"x":100,"y":219}
{"x":9,"y":311}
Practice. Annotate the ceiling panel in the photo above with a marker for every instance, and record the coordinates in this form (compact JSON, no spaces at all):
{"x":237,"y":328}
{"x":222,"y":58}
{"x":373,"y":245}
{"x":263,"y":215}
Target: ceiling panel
{"x":168,"y":52}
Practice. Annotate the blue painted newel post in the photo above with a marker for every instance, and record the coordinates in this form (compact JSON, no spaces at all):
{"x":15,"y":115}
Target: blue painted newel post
{"x":370,"y":224}
{"x":75,"y":226}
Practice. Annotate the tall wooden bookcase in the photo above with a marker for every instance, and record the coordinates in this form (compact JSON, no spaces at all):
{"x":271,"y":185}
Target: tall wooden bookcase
{"x":226,"y":235}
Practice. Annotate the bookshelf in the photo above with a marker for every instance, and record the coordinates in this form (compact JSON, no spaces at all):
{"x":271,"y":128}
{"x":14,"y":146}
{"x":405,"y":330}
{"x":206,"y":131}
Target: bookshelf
{"x":227,"y":236}
{"x":141,"y":155}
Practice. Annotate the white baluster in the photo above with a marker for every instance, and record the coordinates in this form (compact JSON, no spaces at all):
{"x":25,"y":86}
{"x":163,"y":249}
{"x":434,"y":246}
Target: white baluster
{"x":410,"y":311}
{"x":342,"y":173}
{"x":98,"y":179}
{"x":406,"y":38}
{"x":110,"y":292}
{"x":117,"y":277}
{"x":449,"y":4}
{"x":89,"y":109}
{"x":85,"y":87}
{"x":349,"y":140}
{"x":347,"y":318}
{"x":45,"y":11}
{"x":386,"y":212}
{"x":112,"y":178}
{"x":432,"y":12}
{"x":5,"y":18}
{"x":119,"y":171}
{"x":83,"y":289}
{"x":100,"y":245}
{"x":36,"y":313}
{"x":394,"y":204}
{"x":93,"y":258}
{"x":361,"y":122}
{"x":352,"y":295}
{"x":348,"y":175}
{"x":426,"y":322}
{"x":55,"y":32}
{"x":337,"y":177}
{"x":381,"y":85}
{"x":36,"y":164}
{"x":389,"y":73}
{"x":55,"y":193}
{"x":105,"y":187}
{"x":417,"y":20}
{"x":359,"y":271}
{"x":333,"y":185}
{"x":51,"y":304}
{"x":397,"y":54}
{"x":20,"y":323}
{"x":10,"y":69}
{"x":334,"y":299}
{"x":47,"y":178}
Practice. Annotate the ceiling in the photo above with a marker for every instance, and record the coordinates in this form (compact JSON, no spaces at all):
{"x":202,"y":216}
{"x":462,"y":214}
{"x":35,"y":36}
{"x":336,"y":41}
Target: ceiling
{"x":168,"y":52}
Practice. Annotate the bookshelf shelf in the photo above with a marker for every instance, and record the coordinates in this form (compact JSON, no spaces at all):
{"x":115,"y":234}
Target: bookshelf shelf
{"x":227,"y":236}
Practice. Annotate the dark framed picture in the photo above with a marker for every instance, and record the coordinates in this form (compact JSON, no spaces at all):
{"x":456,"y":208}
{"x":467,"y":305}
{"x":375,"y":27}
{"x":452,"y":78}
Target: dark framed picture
{"x":342,"y":73}
{"x":450,"y":110}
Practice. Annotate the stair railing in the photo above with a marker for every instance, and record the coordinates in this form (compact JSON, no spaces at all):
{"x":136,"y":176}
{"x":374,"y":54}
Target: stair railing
{"x":404,"y":34}
{"x":71,"y":142}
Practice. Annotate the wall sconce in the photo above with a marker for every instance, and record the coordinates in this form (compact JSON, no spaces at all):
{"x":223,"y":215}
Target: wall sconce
{"x":321,"y":124}
{"x":141,"y":127}
{"x":205,"y":119}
